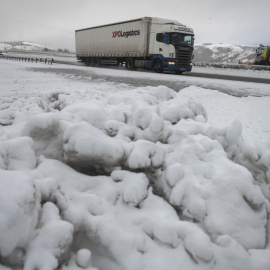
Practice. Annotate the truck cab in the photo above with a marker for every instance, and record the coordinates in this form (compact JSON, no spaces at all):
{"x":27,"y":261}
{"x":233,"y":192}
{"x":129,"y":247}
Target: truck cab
{"x":262,"y":55}
{"x":175,"y":50}
{"x":172,"y":46}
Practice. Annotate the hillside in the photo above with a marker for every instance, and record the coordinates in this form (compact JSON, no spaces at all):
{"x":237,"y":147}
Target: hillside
{"x":207,"y":52}
{"x":224,"y":53}
{"x":22,"y":46}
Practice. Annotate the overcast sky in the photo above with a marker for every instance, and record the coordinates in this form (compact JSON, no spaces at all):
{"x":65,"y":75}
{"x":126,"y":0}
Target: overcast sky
{"x":52,"y":22}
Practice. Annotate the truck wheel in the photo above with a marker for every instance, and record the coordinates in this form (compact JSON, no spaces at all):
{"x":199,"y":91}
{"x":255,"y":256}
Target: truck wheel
{"x":179,"y":72}
{"x":130,"y":64}
{"x":157,"y":66}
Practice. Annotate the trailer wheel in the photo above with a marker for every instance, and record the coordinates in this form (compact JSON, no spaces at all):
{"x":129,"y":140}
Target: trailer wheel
{"x":97,"y":62}
{"x":130,"y":64}
{"x":157,"y":66}
{"x":86,"y":61}
{"x":91,"y":62}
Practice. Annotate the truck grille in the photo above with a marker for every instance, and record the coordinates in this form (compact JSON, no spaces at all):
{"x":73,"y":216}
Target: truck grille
{"x":183,"y":56}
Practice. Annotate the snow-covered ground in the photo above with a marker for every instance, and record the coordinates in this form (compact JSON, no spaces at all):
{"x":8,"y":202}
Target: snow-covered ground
{"x":100,"y":174}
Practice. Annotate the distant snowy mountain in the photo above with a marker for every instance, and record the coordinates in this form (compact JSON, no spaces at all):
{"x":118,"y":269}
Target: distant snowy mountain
{"x":224,"y":53}
{"x":22,"y":46}
{"x":207,"y":52}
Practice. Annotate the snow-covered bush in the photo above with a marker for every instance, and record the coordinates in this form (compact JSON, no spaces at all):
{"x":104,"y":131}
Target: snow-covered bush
{"x":19,"y":210}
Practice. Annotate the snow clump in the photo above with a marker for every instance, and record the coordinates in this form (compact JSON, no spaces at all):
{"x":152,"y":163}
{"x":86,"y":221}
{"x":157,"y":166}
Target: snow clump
{"x":138,"y":180}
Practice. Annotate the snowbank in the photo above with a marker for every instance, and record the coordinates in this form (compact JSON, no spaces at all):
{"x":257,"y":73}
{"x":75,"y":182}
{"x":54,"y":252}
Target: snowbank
{"x":137,"y":180}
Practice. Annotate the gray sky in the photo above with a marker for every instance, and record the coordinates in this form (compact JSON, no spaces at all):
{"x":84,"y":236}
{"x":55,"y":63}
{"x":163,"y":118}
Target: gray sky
{"x":244,"y":22}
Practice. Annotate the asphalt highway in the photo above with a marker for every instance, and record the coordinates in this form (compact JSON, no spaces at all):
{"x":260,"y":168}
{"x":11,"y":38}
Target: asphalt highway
{"x":202,"y":75}
{"x":187,"y":74}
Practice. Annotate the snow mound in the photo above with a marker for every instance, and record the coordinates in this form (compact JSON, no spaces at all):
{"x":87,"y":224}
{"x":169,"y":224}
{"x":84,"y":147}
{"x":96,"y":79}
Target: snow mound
{"x":51,"y":244}
{"x":17,"y":154}
{"x":138,"y":180}
{"x":19,"y":209}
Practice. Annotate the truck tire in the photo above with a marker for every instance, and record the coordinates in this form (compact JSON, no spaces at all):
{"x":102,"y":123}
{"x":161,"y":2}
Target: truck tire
{"x":157,"y":66}
{"x":130,"y":64}
{"x":179,"y":72}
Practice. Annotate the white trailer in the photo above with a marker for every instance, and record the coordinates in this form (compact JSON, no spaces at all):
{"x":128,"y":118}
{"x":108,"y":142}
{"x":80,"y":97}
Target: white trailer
{"x":153,"y":43}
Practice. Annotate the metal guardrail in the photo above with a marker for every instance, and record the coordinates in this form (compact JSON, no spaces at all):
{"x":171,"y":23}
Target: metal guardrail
{"x":40,"y":60}
{"x":232,"y":66}
{"x":55,"y":53}
{"x":28,"y":59}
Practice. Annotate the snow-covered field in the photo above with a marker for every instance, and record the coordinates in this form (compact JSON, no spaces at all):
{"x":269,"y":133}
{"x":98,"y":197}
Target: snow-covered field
{"x":100,"y":174}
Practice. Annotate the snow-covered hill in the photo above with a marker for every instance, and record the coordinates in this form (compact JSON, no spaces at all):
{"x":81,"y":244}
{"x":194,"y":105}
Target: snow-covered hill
{"x":207,"y":52}
{"x":224,"y":53}
{"x":22,"y":46}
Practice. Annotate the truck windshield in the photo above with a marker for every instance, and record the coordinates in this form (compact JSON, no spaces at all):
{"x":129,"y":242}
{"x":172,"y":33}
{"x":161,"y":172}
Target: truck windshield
{"x":260,"y":51}
{"x":176,"y":39}
{"x":181,"y":39}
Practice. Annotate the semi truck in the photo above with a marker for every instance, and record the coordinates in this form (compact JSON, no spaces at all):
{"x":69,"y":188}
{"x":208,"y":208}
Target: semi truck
{"x":148,"y":42}
{"x":262,"y":55}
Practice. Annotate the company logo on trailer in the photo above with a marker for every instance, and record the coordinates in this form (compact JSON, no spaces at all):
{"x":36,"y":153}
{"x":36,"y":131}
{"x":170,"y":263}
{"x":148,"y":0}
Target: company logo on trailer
{"x":127,"y":34}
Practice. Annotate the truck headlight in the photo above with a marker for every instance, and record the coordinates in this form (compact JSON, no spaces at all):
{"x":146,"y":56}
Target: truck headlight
{"x":171,"y":63}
